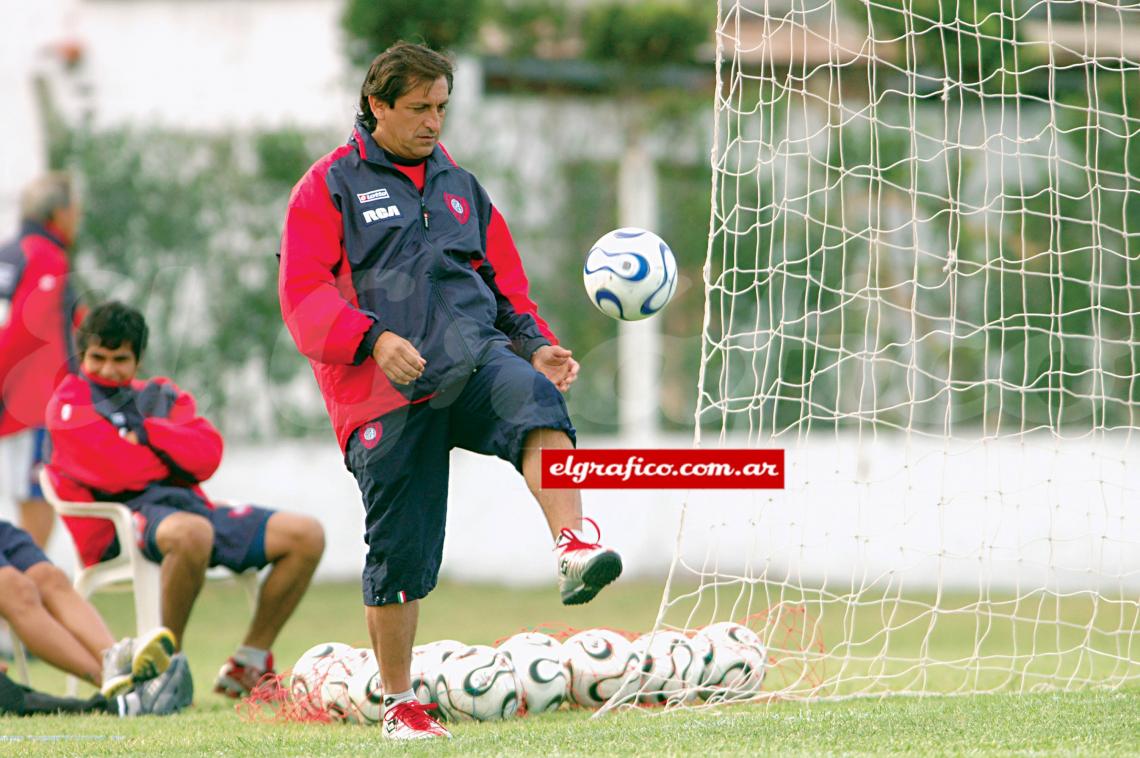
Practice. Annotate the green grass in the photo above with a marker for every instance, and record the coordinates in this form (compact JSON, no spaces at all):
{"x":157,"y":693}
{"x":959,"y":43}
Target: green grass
{"x":1093,"y":722}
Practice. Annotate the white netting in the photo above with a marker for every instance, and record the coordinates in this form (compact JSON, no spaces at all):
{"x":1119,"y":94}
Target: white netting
{"x":923,"y":280}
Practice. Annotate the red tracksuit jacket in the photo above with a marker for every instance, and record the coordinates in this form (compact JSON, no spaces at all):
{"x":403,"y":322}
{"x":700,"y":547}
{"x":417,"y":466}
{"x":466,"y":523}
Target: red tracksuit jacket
{"x":37,"y":314}
{"x":364,"y":251}
{"x":91,"y":460}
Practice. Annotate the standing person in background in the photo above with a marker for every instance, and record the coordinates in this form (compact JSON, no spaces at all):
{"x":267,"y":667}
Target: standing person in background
{"x":401,"y":284}
{"x":38,"y":311}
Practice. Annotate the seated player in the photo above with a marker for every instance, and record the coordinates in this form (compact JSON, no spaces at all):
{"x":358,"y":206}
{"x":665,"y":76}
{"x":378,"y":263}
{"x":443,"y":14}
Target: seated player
{"x":64,"y":630}
{"x":141,"y":442}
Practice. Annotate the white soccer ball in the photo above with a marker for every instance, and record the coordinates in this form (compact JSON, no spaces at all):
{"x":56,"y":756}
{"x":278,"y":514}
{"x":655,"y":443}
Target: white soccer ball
{"x":599,"y":662}
{"x":630,"y":274}
{"x":426,"y":660}
{"x":337,"y":683}
{"x":310,"y":669}
{"x":670,"y":667}
{"x":538,"y":662}
{"x":739,"y":661}
{"x":703,"y":652}
{"x":366,"y":692}
{"x":477,"y":683}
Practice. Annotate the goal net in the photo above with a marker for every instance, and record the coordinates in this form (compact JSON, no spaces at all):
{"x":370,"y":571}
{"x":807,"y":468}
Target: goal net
{"x":923,"y":282}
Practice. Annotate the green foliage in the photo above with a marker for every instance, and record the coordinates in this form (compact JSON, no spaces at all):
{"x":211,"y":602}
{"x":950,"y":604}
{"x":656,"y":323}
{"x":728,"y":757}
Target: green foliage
{"x":589,"y":210}
{"x":372,"y":26}
{"x":685,"y":191}
{"x":974,"y":43}
{"x":528,"y":24}
{"x":186,"y":228}
{"x":646,"y":33}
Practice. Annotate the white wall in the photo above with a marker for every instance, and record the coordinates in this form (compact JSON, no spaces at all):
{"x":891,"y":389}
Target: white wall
{"x":211,"y":64}
{"x":27,"y":30}
{"x":892,"y":512}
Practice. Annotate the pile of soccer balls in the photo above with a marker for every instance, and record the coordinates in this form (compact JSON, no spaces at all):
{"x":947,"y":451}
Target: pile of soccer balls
{"x":533,"y":672}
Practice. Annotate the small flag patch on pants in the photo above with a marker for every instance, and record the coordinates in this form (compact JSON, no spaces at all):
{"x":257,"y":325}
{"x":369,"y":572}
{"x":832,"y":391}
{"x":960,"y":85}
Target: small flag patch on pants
{"x":402,"y":596}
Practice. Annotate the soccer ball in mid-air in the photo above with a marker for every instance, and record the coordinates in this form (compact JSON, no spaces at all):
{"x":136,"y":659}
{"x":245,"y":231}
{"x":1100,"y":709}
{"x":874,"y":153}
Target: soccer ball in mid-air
{"x":477,"y":683}
{"x":630,"y":274}
{"x":670,"y":667}
{"x":538,"y":662}
{"x":738,"y":663}
{"x":312,"y":667}
{"x":599,"y":662}
{"x":426,"y":660}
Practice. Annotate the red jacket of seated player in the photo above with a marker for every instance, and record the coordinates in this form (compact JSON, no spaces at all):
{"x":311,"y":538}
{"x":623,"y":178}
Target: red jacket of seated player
{"x":92,"y":459}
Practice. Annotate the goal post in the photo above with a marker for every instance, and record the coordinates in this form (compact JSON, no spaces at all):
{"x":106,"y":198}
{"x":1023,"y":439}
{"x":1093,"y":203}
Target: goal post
{"x":923,"y":282}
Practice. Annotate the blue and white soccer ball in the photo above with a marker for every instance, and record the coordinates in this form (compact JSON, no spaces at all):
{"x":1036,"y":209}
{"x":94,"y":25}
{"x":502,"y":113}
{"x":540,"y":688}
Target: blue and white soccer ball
{"x":630,"y":274}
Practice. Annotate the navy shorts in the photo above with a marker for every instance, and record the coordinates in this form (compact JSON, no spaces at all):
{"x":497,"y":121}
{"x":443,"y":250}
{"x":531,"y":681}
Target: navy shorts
{"x":17,"y":549}
{"x":239,"y":531}
{"x":401,"y":463}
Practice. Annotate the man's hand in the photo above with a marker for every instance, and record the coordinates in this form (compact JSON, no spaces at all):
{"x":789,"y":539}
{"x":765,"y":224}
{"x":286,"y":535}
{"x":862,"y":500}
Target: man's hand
{"x":398,"y":358}
{"x":556,"y":364}
{"x":129,"y":435}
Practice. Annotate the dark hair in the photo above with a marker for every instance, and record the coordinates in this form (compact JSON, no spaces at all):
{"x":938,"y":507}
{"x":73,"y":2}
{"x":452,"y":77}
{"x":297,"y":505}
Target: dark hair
{"x":112,"y":325}
{"x":396,"y":71}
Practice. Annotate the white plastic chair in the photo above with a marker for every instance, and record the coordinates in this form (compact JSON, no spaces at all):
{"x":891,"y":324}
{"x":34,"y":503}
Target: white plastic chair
{"x":20,"y":658}
{"x":128,"y":566}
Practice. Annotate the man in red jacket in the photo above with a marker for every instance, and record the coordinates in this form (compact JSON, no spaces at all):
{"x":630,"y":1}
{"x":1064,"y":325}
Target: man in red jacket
{"x":141,"y":442}
{"x":401,"y":284}
{"x":37,"y":314}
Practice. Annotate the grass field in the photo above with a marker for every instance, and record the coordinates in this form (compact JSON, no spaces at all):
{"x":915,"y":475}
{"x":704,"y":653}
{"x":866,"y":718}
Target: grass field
{"x":1092,"y":722}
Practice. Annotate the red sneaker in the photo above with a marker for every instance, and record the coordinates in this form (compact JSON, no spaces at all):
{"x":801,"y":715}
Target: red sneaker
{"x":237,"y":680}
{"x":410,"y":720}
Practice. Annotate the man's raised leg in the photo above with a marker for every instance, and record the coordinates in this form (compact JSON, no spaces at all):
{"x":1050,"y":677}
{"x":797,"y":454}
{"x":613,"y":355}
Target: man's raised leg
{"x":584,"y":567}
{"x":562,"y":508}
